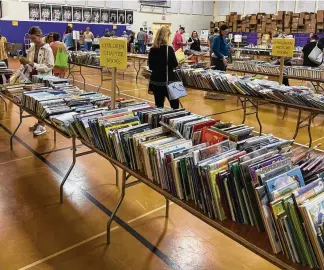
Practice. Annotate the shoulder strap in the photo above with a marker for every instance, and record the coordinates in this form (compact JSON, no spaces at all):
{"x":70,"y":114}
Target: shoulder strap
{"x":167,"y":64}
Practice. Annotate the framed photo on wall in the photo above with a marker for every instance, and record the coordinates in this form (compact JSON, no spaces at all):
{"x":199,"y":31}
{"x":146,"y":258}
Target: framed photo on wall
{"x":67,"y":13}
{"x":95,"y":15}
{"x":129,"y":17}
{"x":57,"y":13}
{"x":112,"y":16}
{"x":46,"y":14}
{"x":86,"y":14}
{"x":104,"y":16}
{"x":121,"y":16}
{"x":34,"y":12}
{"x":77,"y":14}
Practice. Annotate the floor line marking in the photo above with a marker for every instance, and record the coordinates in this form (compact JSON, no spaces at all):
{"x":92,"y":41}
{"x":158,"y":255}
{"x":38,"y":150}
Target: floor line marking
{"x":18,"y":159}
{"x":89,"y":239}
{"x":155,"y":250}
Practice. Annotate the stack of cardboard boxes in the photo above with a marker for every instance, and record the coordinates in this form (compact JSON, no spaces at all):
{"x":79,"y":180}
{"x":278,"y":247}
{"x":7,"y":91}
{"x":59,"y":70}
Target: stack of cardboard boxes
{"x":320,"y":21}
{"x":287,"y":22}
{"x":234,"y":22}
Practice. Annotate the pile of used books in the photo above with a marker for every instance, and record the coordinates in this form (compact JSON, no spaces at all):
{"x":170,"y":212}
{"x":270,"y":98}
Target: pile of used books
{"x":305,"y":72}
{"x":256,"y":66}
{"x":15,"y":91}
{"x":219,"y":81}
{"x":84,"y":58}
{"x":222,"y":169}
{"x":4,"y":69}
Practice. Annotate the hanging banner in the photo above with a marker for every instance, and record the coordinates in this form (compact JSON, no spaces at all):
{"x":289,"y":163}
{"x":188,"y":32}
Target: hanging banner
{"x":283,"y":47}
{"x":113,"y":53}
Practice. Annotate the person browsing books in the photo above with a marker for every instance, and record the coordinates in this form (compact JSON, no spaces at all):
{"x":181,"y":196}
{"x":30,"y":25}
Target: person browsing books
{"x":220,"y":49}
{"x":160,"y":57}
{"x":41,"y":60}
{"x":178,"y":42}
{"x":57,"y":45}
{"x":307,"y":49}
{"x":194,"y":42}
{"x":3,"y":49}
{"x":141,"y":40}
{"x":68,"y":40}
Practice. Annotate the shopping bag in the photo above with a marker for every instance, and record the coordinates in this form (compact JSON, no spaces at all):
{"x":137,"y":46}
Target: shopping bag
{"x":176,"y":90}
{"x":61,"y":59}
{"x":316,"y":55}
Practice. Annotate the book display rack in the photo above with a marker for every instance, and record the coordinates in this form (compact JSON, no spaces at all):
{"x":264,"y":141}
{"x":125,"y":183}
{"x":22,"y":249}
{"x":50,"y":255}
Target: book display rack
{"x":247,"y":235}
{"x":255,"y":94}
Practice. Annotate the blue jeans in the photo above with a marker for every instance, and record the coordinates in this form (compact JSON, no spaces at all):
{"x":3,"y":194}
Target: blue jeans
{"x":87,"y":45}
{"x":141,"y":46}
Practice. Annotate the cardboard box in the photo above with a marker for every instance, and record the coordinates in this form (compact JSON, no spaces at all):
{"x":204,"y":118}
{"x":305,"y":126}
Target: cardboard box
{"x":295,"y":15}
{"x":320,"y":26}
{"x":301,"y":21}
{"x":253,"y":21}
{"x":313,"y":16}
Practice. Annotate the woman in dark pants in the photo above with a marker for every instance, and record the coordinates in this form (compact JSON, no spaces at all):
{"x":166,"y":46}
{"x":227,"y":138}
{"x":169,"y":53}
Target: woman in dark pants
{"x":162,"y":55}
{"x":220,"y":49}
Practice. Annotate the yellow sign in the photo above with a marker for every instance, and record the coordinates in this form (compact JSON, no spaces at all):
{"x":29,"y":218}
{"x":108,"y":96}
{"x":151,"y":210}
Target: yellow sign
{"x":114,"y":26}
{"x":15,"y":23}
{"x":70,"y":24}
{"x":283,"y":47}
{"x":113,"y":52}
{"x":180,"y":55}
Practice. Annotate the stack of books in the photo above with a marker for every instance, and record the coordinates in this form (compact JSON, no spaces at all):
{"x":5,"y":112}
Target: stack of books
{"x":221,"y":168}
{"x":256,"y":66}
{"x":15,"y":91}
{"x":219,"y":81}
{"x":305,"y":72}
{"x":84,"y":58}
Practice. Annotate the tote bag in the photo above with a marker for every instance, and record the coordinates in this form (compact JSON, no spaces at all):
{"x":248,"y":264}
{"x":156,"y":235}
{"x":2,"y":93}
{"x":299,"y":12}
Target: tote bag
{"x":176,"y":90}
{"x":316,"y":55}
{"x":61,"y":59}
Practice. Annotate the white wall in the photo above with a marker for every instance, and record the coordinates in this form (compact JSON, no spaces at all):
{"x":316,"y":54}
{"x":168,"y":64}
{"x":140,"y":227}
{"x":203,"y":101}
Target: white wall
{"x":18,"y":10}
{"x":266,"y":6}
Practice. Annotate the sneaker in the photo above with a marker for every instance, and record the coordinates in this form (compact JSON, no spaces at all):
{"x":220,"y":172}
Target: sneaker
{"x":40,"y":130}
{"x":33,"y":127}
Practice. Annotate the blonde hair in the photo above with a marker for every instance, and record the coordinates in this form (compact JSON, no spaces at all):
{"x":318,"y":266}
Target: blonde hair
{"x":162,"y":37}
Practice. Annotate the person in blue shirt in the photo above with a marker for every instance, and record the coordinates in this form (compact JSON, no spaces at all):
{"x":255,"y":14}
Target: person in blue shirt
{"x":68,"y":40}
{"x":220,"y":49}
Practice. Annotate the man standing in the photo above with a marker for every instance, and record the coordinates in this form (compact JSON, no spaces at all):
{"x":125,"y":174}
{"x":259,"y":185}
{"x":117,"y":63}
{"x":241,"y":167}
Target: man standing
{"x":88,"y":39}
{"x":141,"y":36}
{"x":220,"y":49}
{"x":178,"y":40}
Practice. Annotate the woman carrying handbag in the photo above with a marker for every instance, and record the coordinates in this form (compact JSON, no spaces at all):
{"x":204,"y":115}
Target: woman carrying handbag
{"x":162,"y":61}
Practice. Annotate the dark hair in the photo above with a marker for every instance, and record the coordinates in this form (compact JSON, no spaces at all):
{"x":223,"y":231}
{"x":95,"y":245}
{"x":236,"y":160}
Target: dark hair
{"x":223,"y":27}
{"x":68,"y":31}
{"x":35,"y":30}
{"x":56,"y":36}
{"x":141,"y":29}
{"x":315,"y":37}
{"x":216,"y":30}
{"x":150,"y":32}
{"x":193,"y":33}
{"x":182,"y":28}
{"x":68,"y":28}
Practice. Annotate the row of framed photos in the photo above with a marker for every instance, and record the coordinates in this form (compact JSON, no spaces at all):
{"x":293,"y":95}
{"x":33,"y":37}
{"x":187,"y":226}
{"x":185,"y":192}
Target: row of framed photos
{"x":79,"y":14}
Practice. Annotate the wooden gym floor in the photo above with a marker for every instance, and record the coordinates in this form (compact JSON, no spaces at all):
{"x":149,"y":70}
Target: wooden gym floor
{"x":36,"y":232}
